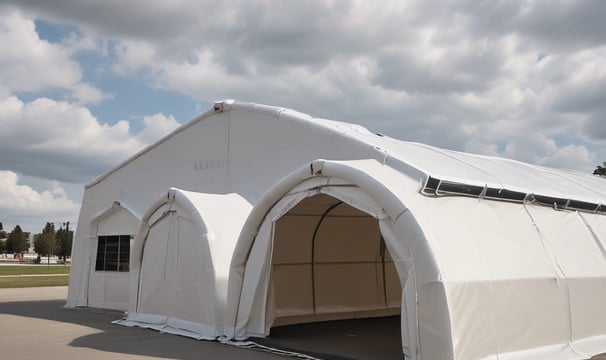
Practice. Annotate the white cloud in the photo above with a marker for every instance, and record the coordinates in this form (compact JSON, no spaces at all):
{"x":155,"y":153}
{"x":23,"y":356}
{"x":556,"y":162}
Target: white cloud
{"x":22,"y":205}
{"x":26,"y":60}
{"x":58,"y":140}
{"x":25,"y":200}
{"x":498,"y":79}
{"x":575,"y":157}
{"x":29,"y":64}
{"x":85,"y":94}
{"x":434,"y":81}
{"x":133,"y":55}
{"x":84,"y":42}
{"x":522,"y":79}
{"x":156,"y":126}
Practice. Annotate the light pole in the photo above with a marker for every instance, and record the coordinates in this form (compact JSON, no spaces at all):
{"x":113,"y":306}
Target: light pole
{"x":66,"y":241}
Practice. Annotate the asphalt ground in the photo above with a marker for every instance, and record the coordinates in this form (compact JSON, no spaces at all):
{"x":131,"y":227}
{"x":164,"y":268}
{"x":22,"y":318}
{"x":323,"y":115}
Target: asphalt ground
{"x":34,"y":325}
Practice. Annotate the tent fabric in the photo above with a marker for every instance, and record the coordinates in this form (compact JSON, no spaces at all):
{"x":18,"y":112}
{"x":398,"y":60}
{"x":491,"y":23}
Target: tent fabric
{"x":105,"y":290}
{"x":252,"y":319}
{"x":515,"y":282}
{"x":347,"y":244}
{"x":484,"y":257}
{"x":181,"y":263}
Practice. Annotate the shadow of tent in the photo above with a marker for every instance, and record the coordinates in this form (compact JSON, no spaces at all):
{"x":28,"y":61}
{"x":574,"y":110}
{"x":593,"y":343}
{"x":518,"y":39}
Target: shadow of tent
{"x":369,"y":338}
{"x":123,"y":340}
{"x":359,"y":339}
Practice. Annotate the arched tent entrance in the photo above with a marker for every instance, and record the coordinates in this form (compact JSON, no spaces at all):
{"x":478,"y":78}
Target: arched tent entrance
{"x":295,"y":263}
{"x":180,"y":263}
{"x":329,"y":261}
{"x":111,"y":234}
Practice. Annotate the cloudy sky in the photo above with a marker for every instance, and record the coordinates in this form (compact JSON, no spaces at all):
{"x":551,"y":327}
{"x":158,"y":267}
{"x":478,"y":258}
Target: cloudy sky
{"x":83,"y":84}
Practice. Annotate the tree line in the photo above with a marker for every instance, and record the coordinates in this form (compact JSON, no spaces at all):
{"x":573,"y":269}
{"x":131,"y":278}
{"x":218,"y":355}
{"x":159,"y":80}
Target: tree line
{"x":47,"y":243}
{"x":600,"y":170}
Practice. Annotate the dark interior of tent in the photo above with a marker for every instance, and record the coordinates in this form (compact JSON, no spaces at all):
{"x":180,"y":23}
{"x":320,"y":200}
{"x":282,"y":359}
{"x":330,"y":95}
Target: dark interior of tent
{"x":333,"y":276}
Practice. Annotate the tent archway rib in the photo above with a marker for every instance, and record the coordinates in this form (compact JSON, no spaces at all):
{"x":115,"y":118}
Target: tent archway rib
{"x":249,"y":279}
{"x":179,"y":233}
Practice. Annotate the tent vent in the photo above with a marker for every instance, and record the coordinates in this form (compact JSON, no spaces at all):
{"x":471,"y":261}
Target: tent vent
{"x":218,"y":106}
{"x":436,"y":187}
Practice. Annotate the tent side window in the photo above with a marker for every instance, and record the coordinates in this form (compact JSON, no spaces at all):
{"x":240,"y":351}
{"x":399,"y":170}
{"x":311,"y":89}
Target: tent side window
{"x":113,"y":253}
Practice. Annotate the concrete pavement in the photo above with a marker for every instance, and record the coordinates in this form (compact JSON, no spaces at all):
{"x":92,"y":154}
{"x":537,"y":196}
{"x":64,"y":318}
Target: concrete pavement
{"x":35,"y":326}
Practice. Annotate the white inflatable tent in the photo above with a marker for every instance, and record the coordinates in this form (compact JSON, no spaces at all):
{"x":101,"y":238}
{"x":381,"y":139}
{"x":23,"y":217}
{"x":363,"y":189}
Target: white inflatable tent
{"x":182,"y":261}
{"x":484,"y":257}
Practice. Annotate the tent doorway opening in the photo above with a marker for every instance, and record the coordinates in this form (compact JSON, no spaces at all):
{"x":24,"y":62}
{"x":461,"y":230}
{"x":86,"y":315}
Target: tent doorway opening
{"x":329,"y":262}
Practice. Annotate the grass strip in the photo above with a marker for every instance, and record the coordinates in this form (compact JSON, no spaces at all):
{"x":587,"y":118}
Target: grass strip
{"x":27,"y":281}
{"x":34,"y":269}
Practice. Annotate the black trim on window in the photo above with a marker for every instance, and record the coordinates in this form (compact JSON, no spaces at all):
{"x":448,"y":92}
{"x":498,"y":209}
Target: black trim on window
{"x":113,"y":253}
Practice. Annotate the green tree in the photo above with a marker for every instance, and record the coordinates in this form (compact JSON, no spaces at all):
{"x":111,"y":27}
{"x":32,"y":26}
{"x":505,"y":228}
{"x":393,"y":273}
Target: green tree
{"x":45,"y":243}
{"x":64,"y":242}
{"x":16,"y":241}
{"x":600,"y":170}
{"x":2,"y":232}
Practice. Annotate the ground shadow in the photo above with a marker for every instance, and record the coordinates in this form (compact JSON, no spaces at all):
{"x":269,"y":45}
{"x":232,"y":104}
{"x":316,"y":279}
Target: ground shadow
{"x":346,"y":339}
{"x":372,"y":338}
{"x":121,"y":339}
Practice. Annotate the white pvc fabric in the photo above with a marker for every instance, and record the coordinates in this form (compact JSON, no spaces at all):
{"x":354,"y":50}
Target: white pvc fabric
{"x":230,"y":257}
{"x":536,"y":285}
{"x":180,"y":262}
{"x":349,"y":277}
{"x":106,"y":289}
{"x":492,"y":290}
